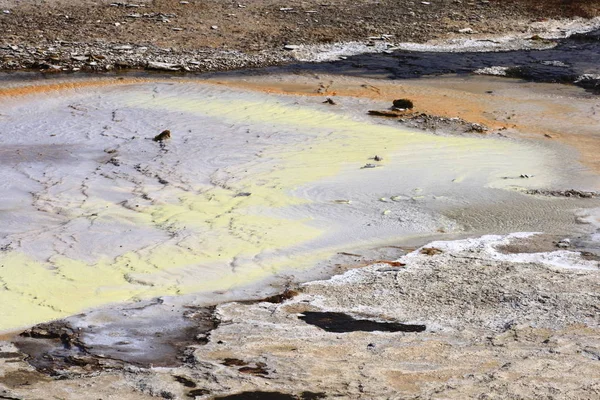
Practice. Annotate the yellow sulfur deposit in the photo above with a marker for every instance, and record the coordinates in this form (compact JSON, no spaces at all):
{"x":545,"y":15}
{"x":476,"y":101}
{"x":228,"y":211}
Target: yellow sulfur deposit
{"x":215,"y":238}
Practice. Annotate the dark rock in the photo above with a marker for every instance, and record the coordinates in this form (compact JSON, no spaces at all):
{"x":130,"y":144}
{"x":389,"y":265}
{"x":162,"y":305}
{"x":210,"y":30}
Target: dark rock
{"x":403,"y":103}
{"x":164,"y":135}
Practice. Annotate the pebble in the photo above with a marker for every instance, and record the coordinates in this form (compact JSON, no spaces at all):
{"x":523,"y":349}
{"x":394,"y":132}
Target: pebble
{"x":214,"y":27}
{"x":291,"y":47}
{"x":162,"y":66}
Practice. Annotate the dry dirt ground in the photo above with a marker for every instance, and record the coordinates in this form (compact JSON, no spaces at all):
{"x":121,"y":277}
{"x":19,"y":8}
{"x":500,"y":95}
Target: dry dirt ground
{"x":42,"y":34}
{"x":266,"y":24}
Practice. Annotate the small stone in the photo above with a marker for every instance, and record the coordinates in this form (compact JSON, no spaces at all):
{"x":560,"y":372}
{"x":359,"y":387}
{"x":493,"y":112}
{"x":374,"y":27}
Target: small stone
{"x":161,"y":66}
{"x":563,"y":244}
{"x":214,"y":27}
{"x":330,"y":101}
{"x":184,"y":2}
{"x":6,"y":11}
{"x":366,"y":166}
{"x":164,"y":135}
{"x":291,"y":47}
{"x":177,"y":29}
{"x":474,"y":127}
{"x":403,"y":103}
{"x":466,"y":30}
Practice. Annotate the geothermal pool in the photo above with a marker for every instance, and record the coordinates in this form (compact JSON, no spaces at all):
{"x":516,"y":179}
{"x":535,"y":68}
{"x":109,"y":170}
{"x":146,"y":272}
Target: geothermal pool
{"x":251,"y":184}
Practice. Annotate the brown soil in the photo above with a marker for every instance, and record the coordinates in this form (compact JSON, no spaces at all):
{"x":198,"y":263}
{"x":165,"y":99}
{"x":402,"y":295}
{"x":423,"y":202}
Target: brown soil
{"x":47,"y":34}
{"x":262,"y":24}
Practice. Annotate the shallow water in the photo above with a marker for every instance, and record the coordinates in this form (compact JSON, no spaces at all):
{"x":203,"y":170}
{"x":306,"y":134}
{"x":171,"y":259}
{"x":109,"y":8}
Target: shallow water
{"x":250,"y":185}
{"x":564,"y":61}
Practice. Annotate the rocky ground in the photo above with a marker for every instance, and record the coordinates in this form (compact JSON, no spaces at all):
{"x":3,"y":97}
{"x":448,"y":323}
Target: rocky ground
{"x":197,"y":35}
{"x":488,"y":318}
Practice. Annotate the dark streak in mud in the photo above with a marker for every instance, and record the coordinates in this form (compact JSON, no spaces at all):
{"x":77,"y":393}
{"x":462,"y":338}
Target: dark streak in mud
{"x":198,"y":392}
{"x":564,"y":193}
{"x":276,"y":299}
{"x":10,"y":354}
{"x":58,"y":349}
{"x":273,"y":396}
{"x":55,"y":347}
{"x":185,"y":381}
{"x":342,"y":323}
